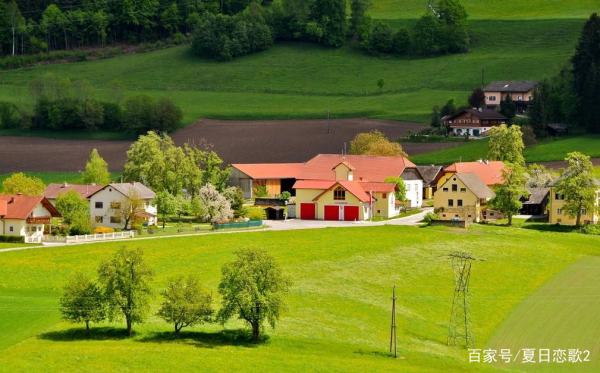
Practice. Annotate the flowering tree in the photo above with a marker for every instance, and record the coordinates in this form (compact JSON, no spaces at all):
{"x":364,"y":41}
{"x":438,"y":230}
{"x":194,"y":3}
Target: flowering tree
{"x":216,"y":208}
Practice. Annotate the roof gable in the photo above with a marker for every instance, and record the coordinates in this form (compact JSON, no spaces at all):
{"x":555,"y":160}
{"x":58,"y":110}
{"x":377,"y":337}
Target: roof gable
{"x":511,"y":86}
{"x":474,"y":184}
{"x":127,"y":189}
{"x":490,"y":172}
{"x":365,"y":168}
{"x":20,"y":207}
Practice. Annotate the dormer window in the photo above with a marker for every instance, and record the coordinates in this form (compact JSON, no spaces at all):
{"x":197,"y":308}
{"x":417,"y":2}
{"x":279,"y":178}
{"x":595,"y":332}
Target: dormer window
{"x":339,"y":194}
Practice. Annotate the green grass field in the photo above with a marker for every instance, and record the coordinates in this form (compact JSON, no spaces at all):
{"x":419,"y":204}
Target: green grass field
{"x":546,"y":150}
{"x":55,"y":177}
{"x":338,"y":308}
{"x":294,"y":80}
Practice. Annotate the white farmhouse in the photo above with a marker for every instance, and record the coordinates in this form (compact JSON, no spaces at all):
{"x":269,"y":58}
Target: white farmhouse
{"x":106,"y":204}
{"x":25,"y":216}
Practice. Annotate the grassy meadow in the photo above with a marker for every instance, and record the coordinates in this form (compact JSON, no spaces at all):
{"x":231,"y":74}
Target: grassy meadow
{"x":545,"y":150}
{"x":296,"y":80}
{"x":55,"y":177}
{"x":337,"y":317}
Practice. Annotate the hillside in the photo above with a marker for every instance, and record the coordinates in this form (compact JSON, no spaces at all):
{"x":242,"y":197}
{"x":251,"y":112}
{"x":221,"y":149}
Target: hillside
{"x":338,"y":308}
{"x":511,"y":40}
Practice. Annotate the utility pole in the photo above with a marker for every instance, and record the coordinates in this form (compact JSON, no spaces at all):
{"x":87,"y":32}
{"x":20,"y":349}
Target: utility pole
{"x":459,"y":328}
{"x":393,"y":333}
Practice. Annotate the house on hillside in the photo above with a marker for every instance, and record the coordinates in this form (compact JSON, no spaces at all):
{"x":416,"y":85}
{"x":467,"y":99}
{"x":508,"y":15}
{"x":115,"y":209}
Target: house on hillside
{"x":26,"y":216}
{"x":463,"y":197}
{"x":339,"y":187}
{"x":84,"y":190}
{"x":557,"y":215}
{"x":473,"y":122}
{"x":107,"y":205}
{"x":520,"y":91}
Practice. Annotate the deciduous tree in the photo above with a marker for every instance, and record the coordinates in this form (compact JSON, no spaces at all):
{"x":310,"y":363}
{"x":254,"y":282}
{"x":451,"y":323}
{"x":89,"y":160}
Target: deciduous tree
{"x":509,"y":193}
{"x":75,"y":212}
{"x":576,"y":185}
{"x":506,"y":144}
{"x":96,"y":170}
{"x":216,"y":208}
{"x":83,"y":301}
{"x":23,"y":184}
{"x":185,"y":303}
{"x":375,"y":143}
{"x":126,"y":280}
{"x":252,"y":288}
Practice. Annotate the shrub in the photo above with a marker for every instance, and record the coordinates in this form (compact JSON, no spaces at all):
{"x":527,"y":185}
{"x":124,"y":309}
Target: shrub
{"x":12,"y":239}
{"x":285,"y":195}
{"x":102,"y":229}
{"x":260,"y":191}
{"x":591,"y":229}
{"x":256,"y":213}
{"x":430,"y":217}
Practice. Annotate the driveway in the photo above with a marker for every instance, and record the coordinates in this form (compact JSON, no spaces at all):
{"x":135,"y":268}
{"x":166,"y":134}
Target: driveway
{"x":291,"y":224}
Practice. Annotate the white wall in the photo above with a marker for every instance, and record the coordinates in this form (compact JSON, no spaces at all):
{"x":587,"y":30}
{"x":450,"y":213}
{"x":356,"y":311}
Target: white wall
{"x":108,"y":195}
{"x":414,"y":192}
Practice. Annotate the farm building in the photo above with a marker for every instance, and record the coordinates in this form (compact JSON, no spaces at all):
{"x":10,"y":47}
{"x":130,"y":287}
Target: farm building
{"x":520,"y":92}
{"x":107,"y":205}
{"x":431,"y":175}
{"x":26,"y":216}
{"x":273,"y":178}
{"x":536,"y":202}
{"x":338,"y":187}
{"x":473,"y":122}
{"x":84,"y":190}
{"x":463,"y":197}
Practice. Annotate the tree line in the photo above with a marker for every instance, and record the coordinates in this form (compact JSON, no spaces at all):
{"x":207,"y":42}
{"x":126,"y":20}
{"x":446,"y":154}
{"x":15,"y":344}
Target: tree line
{"x":443,"y":29}
{"x":61,"y":104}
{"x":252,"y":289}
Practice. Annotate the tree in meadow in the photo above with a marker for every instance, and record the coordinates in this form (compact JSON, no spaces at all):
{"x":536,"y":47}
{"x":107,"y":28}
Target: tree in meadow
{"x":96,"y":170}
{"x":83,"y":301}
{"x":576,"y":185}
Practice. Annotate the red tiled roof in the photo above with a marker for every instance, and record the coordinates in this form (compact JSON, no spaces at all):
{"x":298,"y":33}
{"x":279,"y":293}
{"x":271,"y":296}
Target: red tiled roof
{"x":352,"y":187}
{"x":21,"y":207}
{"x":270,"y":170}
{"x":366,"y":168}
{"x":85,"y":190}
{"x":490,"y":172}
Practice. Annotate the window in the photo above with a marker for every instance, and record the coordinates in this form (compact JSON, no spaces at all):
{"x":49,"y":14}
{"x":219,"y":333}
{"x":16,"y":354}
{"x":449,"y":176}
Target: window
{"x":583,"y":211}
{"x":454,"y":187}
{"x":463,"y":190}
{"x":99,"y":219}
{"x":459,"y":203}
{"x":559,"y":211}
{"x":492,"y":98}
{"x":339,"y":194}
{"x":99,"y":205}
{"x":11,"y":229}
{"x":445,"y":189}
{"x":115,"y":205}
{"x":115,"y":219}
{"x":384,"y":195}
{"x":450,"y":203}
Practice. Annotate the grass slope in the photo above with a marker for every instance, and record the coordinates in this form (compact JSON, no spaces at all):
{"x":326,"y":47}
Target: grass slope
{"x":56,"y":177}
{"x":562,"y":314}
{"x":548,"y":150}
{"x":338,"y":314}
{"x":305,"y":80}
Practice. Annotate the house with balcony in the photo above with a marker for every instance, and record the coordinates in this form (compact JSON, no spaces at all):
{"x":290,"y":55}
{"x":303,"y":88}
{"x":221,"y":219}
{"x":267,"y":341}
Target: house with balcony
{"x":473,"y":122}
{"x":109,"y":205}
{"x":520,"y":91}
{"x":26,"y":216}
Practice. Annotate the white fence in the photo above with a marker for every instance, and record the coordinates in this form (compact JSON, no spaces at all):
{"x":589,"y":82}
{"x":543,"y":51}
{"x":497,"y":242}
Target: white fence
{"x":33,"y":239}
{"x":90,"y":237}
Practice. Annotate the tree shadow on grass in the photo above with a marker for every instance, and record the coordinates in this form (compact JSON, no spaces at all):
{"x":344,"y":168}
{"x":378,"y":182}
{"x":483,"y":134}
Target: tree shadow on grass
{"x":238,"y":337}
{"x":79,"y":334}
{"x":550,"y":227}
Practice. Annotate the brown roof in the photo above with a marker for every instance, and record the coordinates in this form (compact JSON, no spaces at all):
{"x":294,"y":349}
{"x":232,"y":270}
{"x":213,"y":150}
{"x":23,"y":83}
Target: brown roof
{"x":128,"y":188}
{"x":475,"y":185}
{"x":430,"y":174}
{"x":536,"y":195}
{"x":488,"y":114}
{"x":511,"y":86}
{"x":21,"y":207}
{"x":85,"y":190}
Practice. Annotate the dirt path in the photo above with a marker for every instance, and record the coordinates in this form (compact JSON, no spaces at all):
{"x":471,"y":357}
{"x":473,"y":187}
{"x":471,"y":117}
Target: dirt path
{"x":235,"y":141}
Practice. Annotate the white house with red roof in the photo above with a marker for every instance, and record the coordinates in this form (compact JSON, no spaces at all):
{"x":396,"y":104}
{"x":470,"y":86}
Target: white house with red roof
{"x":25,"y":216}
{"x":336,"y":187}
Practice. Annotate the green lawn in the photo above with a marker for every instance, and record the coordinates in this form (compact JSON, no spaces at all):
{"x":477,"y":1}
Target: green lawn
{"x":295,"y":80}
{"x":338,"y":309}
{"x":562,"y":314}
{"x":7,"y":245}
{"x":546,"y":150}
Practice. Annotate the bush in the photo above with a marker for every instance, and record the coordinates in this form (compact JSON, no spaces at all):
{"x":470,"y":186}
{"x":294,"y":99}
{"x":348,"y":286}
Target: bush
{"x":256,"y":213}
{"x":285,"y":195}
{"x":591,"y":229}
{"x":430,"y":217}
{"x":12,"y":239}
{"x":102,"y":229}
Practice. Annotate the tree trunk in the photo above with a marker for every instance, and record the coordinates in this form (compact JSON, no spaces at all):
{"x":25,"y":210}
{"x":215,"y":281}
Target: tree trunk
{"x":509,"y":219}
{"x":177,"y":330}
{"x":129,"y":329}
{"x":255,"y":331}
{"x":87,"y":327}
{"x":578,"y":221}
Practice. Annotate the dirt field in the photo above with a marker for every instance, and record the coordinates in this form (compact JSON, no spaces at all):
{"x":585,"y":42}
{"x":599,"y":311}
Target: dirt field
{"x":235,"y":141}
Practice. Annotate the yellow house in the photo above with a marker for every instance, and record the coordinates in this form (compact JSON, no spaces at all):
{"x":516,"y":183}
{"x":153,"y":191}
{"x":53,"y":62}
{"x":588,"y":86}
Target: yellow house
{"x":558,"y":216}
{"x":462,"y":197}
